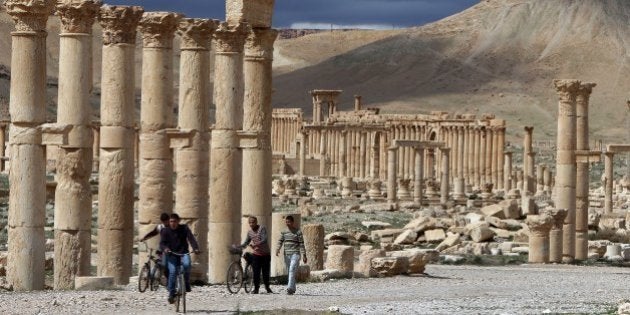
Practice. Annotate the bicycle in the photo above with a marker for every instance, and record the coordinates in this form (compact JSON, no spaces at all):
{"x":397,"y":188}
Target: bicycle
{"x":236,"y":278}
{"x":180,"y":285}
{"x":151,"y":277}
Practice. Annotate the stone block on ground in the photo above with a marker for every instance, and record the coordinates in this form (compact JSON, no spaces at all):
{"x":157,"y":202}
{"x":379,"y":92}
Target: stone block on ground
{"x":375,"y":224}
{"x":303,"y":273}
{"x":451,"y":240}
{"x":511,"y":209}
{"x":406,"y":237}
{"x":390,"y":266}
{"x":434,"y":236}
{"x":481,"y":232}
{"x":376,"y":207}
{"x":386,"y":235}
{"x":340,"y":257}
{"x":364,"y":266}
{"x":93,"y":283}
{"x":418,"y":259}
{"x":493,"y":211}
{"x":327,"y":274}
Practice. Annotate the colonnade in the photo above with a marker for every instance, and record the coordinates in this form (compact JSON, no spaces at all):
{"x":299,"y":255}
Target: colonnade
{"x":237,"y":66}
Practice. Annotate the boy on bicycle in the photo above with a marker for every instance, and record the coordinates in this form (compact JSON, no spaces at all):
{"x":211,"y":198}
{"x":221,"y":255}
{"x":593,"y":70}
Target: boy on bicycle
{"x":176,"y":239}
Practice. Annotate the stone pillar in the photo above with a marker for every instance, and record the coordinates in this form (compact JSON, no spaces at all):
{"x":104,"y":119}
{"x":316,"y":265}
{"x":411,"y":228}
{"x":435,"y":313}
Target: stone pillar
{"x":547,"y":180}
{"x":392,"y":153}
{"x":501,"y":155}
{"x":191,"y":190}
{"x":530,"y":179}
{"x":460,"y":181}
{"x":608,"y":183}
{"x":156,"y":116}
{"x":73,"y":195}
{"x":540,"y":185}
{"x":302,"y":153}
{"x":362,"y":154}
{"x":116,"y":166}
{"x":278,"y":225}
{"x":507,"y":171}
{"x":555,"y":234}
{"x":343,"y":154}
{"x":527,"y":150}
{"x":375,"y":160}
{"x":444,"y":184}
{"x":519,"y":181}
{"x":314,"y":243}
{"x":419,"y":176}
{"x":482,"y":157}
{"x":466,"y":155}
{"x":96,"y":145}
{"x":322,"y":153}
{"x":539,"y":226}
{"x":476,"y":157}
{"x":488,"y":168}
{"x":582,"y":172}
{"x":565,"y":162}
{"x":226,"y":157}
{"x":495,"y":158}
{"x":27,"y":106}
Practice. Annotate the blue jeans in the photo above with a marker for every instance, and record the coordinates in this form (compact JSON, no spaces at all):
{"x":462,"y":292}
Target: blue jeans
{"x":292,"y":262}
{"x":172,"y":262}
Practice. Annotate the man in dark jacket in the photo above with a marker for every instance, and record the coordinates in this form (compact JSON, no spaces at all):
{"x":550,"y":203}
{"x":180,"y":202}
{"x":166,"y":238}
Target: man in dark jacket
{"x":174,"y":242}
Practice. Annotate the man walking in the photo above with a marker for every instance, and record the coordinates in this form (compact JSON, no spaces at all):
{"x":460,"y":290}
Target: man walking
{"x":174,"y":242}
{"x":261,"y":258}
{"x":293,"y":242}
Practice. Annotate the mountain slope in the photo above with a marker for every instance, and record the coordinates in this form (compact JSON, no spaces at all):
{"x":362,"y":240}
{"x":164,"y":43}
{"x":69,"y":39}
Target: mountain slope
{"x":499,"y":56}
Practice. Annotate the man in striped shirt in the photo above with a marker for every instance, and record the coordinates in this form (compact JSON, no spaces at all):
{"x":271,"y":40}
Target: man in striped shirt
{"x":293,"y":242}
{"x":261,"y":258}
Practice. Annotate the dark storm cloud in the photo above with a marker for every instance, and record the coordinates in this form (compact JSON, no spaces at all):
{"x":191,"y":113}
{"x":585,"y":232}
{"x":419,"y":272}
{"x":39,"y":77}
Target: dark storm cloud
{"x":400,"y":13}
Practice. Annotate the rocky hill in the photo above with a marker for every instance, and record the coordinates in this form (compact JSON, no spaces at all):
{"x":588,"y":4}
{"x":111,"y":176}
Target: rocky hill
{"x":499,"y":56}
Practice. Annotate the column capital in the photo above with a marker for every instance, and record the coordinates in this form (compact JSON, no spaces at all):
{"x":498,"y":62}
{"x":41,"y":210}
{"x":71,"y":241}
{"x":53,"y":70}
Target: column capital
{"x":539,"y":225}
{"x":158,"y":29}
{"x":566,"y":89}
{"x":259,"y":44}
{"x":30,"y":16}
{"x":196,"y":34}
{"x":557,"y":216}
{"x":119,"y":23}
{"x":586,"y":88}
{"x":77,"y":16}
{"x":529,"y":129}
{"x":231,"y":39}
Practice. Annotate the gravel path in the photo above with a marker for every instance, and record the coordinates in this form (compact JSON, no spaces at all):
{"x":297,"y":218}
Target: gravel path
{"x":443,"y":290}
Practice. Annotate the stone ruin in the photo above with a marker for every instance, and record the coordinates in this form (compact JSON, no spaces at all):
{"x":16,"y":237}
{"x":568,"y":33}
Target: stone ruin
{"x":451,"y":170}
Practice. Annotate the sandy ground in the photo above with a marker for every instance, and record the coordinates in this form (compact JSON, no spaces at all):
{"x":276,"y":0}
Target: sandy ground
{"x":443,"y":290}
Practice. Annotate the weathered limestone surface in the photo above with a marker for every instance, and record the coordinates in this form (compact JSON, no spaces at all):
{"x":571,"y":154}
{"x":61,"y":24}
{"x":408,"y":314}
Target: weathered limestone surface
{"x":539,"y":226}
{"x":73,"y":195}
{"x":340,"y":257}
{"x":555,"y":233}
{"x":225,"y":156}
{"x":390,"y":266}
{"x":191,"y":193}
{"x":365,"y":262}
{"x":565,"y":162}
{"x":116,"y":166}
{"x":314,"y":243}
{"x":27,"y":107}
{"x":582,"y":169}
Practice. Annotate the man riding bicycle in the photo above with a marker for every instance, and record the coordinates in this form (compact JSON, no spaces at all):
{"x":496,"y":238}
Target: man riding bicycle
{"x":175,"y":239}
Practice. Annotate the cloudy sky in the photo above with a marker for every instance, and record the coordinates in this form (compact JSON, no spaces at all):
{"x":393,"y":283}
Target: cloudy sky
{"x":323,"y":13}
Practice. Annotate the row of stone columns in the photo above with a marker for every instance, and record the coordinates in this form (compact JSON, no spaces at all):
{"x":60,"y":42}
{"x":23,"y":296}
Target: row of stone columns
{"x":116,"y":144}
{"x":285,"y":131}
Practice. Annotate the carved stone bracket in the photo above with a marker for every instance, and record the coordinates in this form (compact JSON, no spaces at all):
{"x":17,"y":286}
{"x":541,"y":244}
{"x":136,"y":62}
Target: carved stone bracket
{"x":119,"y":24}
{"x":77,"y":16}
{"x":158,"y":29}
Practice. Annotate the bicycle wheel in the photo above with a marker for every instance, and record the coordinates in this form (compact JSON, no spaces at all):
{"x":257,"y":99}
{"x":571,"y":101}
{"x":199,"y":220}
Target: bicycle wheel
{"x":156,"y":277}
{"x":234,"y":277}
{"x":143,"y":278}
{"x":248,"y":278}
{"x":180,"y":298}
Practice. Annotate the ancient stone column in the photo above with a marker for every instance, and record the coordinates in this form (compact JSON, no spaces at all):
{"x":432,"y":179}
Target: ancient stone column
{"x":343,"y":153}
{"x":530,"y":179}
{"x":226,"y":157}
{"x":520,"y":181}
{"x":73,"y":195}
{"x":547,"y":180}
{"x":608,"y":184}
{"x":539,"y":226}
{"x":96,"y":145}
{"x":362,"y":154}
{"x":392,"y":153}
{"x":565,"y":162}
{"x":302,"y":153}
{"x":466,"y":155}
{"x":116,"y":166}
{"x":482,"y":157}
{"x":444,"y":184}
{"x":322,"y":153}
{"x":527,"y":150}
{"x":191,"y":193}
{"x":540,"y":184}
{"x":555,"y":234}
{"x":375,"y":158}
{"x":495,"y":157}
{"x":500,"y":152}
{"x":27,"y":106}
{"x":419,"y":176}
{"x":460,"y":183}
{"x":507,"y":172}
{"x":314,"y":243}
{"x":582,"y":172}
{"x":488,"y":156}
{"x":156,"y":117}
{"x":476,"y":157}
